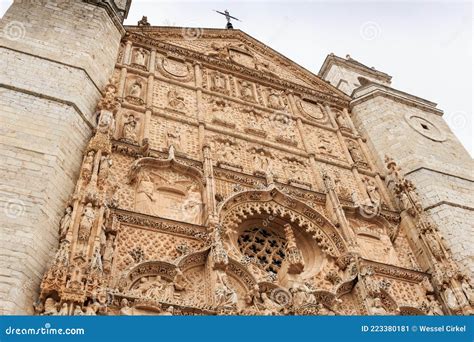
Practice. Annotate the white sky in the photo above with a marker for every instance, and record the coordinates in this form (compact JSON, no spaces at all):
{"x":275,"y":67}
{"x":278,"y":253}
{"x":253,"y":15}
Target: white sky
{"x":425,"y":46}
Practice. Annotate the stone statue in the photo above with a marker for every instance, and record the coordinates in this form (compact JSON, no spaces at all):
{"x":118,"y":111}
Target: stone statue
{"x":192,"y":205}
{"x":261,"y":162}
{"x":355,"y":153}
{"x":91,"y":309}
{"x":108,"y":253}
{"x":225,"y":295}
{"x":105,"y":164}
{"x":271,"y":307}
{"x":129,"y":131}
{"x":219,"y":82}
{"x":302,"y":295}
{"x":140,"y":56}
{"x":246,"y":91}
{"x":64,"y":310}
{"x":65,"y":223}
{"x":145,"y":198}
{"x":377,"y":307}
{"x":87,"y":220}
{"x":78,"y":311}
{"x":274,"y":101}
{"x":175,"y":100}
{"x":342,"y":121}
{"x":88,"y":165}
{"x":143,"y":21}
{"x":106,"y":124}
{"x":180,"y":281}
{"x":173,"y":138}
{"x":433,"y":307}
{"x":253,"y":297}
{"x":372,"y":191}
{"x":136,"y":89}
{"x":50,"y":307}
{"x":225,"y":153}
{"x":125,"y":308}
{"x":450,"y":297}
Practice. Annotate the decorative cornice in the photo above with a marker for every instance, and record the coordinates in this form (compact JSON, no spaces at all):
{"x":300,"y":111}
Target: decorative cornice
{"x":372,"y":90}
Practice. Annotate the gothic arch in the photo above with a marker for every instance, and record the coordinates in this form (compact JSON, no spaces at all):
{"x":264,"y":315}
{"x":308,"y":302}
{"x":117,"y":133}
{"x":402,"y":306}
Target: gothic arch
{"x":273,"y":202}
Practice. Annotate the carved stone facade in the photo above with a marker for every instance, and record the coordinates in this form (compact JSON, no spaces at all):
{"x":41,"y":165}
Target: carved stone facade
{"x":221,"y":179}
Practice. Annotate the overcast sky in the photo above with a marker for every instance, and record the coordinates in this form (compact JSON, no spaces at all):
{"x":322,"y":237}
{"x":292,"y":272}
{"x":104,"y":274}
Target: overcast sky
{"x":425,"y":46}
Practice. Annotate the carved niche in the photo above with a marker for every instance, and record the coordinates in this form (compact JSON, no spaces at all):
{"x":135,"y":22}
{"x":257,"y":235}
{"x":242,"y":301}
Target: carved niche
{"x":168,"y":189}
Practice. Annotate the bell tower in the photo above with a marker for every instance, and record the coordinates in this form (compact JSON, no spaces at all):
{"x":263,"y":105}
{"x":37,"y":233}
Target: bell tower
{"x":412,"y":131}
{"x":57,"y":56}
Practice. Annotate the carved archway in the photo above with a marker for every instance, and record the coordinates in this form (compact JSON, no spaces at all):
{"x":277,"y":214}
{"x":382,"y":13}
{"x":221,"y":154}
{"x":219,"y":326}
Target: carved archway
{"x":274,"y":203}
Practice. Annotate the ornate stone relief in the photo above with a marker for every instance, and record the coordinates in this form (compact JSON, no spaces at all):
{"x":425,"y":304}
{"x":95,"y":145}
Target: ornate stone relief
{"x":175,"y":68}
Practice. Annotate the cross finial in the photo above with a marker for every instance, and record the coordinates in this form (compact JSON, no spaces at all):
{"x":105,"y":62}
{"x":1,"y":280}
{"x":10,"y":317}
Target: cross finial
{"x":228,"y":17}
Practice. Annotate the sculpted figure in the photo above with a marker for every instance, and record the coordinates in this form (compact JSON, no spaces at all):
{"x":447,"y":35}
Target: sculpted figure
{"x":106,"y":124}
{"x":253,"y":297}
{"x":219,"y":82}
{"x":225,"y":295}
{"x":88,"y":165}
{"x":65,"y":223}
{"x":180,"y":281}
{"x":105,"y":164}
{"x":355,"y":153}
{"x":50,"y":307}
{"x":78,"y":311}
{"x":129,"y":131}
{"x":450,"y":297}
{"x":341,"y":120}
{"x":225,"y":153}
{"x":274,"y":101}
{"x":261,"y":162}
{"x":136,"y":89}
{"x":108,"y":253}
{"x":140,"y":56}
{"x":302,"y":295}
{"x":246,"y":91}
{"x":434,"y":309}
{"x":125,"y":309}
{"x":175,"y":100}
{"x":173,"y":138}
{"x":87,"y":220}
{"x":271,"y":308}
{"x":377,"y":307}
{"x":372,"y":191}
{"x":145,"y":197}
{"x":192,"y":205}
{"x":64,"y":310}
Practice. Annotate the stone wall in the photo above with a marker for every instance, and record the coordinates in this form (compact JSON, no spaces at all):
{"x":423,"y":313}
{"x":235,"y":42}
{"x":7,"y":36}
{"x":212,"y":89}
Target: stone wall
{"x":414,"y":133}
{"x":55,"y":57}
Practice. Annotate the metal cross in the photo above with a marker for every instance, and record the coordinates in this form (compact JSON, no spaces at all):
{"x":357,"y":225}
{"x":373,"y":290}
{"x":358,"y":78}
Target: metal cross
{"x":228,"y":17}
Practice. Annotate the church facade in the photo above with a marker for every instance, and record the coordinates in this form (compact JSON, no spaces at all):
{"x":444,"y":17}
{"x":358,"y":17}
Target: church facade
{"x":200,"y":172}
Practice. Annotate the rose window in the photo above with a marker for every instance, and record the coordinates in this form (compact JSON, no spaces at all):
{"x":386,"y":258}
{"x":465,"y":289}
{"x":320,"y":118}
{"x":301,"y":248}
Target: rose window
{"x":264,"y":247}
